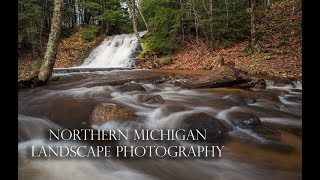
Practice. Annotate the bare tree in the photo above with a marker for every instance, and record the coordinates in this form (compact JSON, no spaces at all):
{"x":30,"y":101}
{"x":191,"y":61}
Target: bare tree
{"x":144,"y":20}
{"x":293,"y":8}
{"x":227,"y":11}
{"x":132,"y":10}
{"x":52,"y":46}
{"x":253,"y":23}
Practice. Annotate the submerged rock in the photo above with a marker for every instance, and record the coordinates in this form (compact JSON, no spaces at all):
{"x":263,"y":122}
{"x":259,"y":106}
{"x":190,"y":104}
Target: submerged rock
{"x":268,"y":133}
{"x":167,"y":110}
{"x":107,"y":112}
{"x":239,"y":99}
{"x":216,"y":130}
{"x":244,"y":120}
{"x":150,"y":98}
{"x":245,"y":94}
{"x":131,"y":87}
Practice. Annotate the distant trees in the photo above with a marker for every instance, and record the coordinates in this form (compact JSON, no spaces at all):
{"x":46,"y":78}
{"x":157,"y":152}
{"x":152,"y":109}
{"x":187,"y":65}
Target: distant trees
{"x":34,"y":20}
{"x":217,"y":22}
{"x":41,"y":22}
{"x":213,"y":21}
{"x":253,"y":23}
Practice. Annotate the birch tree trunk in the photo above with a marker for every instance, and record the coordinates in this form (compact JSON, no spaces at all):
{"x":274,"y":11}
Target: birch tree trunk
{"x":144,"y":20}
{"x":253,"y":23}
{"x":50,"y":55}
{"x":227,"y":11}
{"x":268,"y":3}
{"x":132,"y":10}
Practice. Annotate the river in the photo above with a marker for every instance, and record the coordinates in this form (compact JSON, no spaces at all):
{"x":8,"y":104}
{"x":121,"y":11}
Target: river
{"x":273,"y":153}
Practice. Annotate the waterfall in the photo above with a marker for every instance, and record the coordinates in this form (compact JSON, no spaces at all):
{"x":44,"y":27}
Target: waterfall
{"x":115,"y":51}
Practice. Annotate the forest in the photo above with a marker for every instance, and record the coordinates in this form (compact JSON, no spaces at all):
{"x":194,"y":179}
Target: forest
{"x":245,"y":32}
{"x":162,"y":72}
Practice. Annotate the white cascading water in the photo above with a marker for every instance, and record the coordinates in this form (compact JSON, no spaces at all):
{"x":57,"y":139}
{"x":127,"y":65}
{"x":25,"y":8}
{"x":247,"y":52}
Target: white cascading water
{"x":114,"y":52}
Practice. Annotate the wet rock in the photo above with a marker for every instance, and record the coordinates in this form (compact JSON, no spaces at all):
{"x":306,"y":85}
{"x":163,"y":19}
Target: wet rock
{"x":296,"y":130}
{"x":131,"y":87}
{"x":223,"y":76}
{"x":244,"y":120}
{"x":239,"y":99}
{"x":278,"y":147}
{"x":173,"y":109}
{"x":297,"y":90}
{"x":254,"y":83}
{"x":268,"y":133}
{"x":150,"y":98}
{"x":176,"y":83}
{"x":216,"y":130}
{"x":154,"y":90}
{"x":294,"y":98}
{"x":243,"y":93}
{"x":108,"y":112}
{"x":264,"y":112}
{"x":269,"y":105}
{"x":278,"y":92}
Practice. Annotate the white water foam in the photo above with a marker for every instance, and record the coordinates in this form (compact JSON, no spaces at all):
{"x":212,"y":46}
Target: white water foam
{"x":288,"y":87}
{"x":115,"y":51}
{"x":67,"y":169}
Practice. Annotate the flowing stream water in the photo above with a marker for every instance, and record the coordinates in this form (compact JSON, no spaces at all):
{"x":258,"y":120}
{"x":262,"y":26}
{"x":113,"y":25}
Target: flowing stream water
{"x":69,"y":102}
{"x":115,"y":51}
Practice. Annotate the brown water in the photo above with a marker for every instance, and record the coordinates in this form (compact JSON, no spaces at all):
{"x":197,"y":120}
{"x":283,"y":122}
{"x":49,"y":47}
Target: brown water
{"x":68,"y":103}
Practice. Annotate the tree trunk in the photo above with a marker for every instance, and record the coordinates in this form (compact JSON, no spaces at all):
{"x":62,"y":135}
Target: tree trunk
{"x":253,"y":23}
{"x":144,"y":20}
{"x":132,"y":10}
{"x":227,"y":11}
{"x":293,"y":8}
{"x":50,"y":55}
{"x":74,"y":23}
{"x":182,"y":20}
{"x":195,"y":20}
{"x":268,"y":3}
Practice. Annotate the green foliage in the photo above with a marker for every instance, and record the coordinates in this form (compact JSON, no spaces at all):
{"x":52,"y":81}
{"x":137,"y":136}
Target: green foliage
{"x":222,"y":25}
{"x":91,"y":6}
{"x":30,"y":25}
{"x":163,"y":18}
{"x":34,"y":21}
{"x":222,"y":28}
{"x":66,"y":31}
{"x":89,"y":32}
{"x":165,"y":60}
{"x":267,"y":56}
{"x":109,"y":14}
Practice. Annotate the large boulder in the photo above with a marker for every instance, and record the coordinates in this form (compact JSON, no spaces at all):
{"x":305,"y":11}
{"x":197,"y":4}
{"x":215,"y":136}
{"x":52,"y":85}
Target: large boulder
{"x":150,"y":98}
{"x":223,"y":76}
{"x":215,"y":129}
{"x":131,"y":87}
{"x":253,"y":83}
{"x":111,"y":112}
{"x":243,"y":93}
{"x":244,"y":120}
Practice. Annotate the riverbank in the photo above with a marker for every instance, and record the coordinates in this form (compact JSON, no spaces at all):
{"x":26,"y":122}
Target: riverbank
{"x":279,"y":35}
{"x":272,"y":63}
{"x":72,"y":51}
